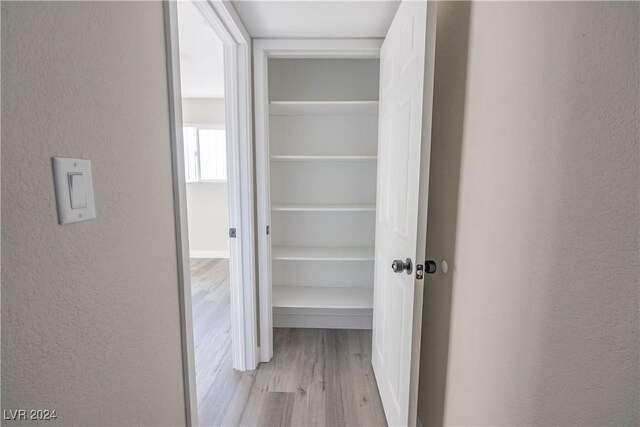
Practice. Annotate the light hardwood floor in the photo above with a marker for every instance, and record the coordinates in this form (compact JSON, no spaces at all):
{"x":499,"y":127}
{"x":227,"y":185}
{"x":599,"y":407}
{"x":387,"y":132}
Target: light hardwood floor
{"x":318,"y":377}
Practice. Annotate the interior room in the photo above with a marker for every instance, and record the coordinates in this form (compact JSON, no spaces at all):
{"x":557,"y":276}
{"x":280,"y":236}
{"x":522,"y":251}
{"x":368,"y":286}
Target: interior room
{"x":320,"y":213}
{"x":205,"y":174}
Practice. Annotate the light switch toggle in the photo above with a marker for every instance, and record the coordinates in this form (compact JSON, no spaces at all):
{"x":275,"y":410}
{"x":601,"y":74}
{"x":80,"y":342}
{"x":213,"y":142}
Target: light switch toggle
{"x":77,"y":190}
{"x":73,"y":183}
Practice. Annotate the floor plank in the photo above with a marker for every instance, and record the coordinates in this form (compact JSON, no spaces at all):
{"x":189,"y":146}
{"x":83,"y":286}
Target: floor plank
{"x":318,"y":377}
{"x":277,"y":409}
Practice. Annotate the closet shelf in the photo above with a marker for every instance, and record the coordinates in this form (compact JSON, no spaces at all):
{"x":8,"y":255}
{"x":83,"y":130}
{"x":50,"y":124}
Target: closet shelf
{"x":322,"y":297}
{"x":323,"y":108}
{"x":322,"y":253}
{"x":323,"y":208}
{"x":279,"y":158}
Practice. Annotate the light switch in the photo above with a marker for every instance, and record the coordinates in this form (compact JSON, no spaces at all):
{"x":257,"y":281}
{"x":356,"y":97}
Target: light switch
{"x":74,"y":190}
{"x":77,"y":191}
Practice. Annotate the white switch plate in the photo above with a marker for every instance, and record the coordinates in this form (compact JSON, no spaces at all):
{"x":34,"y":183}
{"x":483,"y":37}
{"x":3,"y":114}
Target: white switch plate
{"x":78,"y":171}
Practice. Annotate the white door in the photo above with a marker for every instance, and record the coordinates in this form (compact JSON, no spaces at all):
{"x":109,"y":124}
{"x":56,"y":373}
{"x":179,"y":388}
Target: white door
{"x":406,"y":87}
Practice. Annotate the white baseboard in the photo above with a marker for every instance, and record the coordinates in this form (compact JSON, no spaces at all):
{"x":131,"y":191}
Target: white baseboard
{"x":322,"y":322}
{"x":209,"y":254}
{"x":322,"y":318}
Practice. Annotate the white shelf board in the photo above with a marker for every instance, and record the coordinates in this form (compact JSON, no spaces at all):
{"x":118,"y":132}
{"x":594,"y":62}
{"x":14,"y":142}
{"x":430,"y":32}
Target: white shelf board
{"x":296,"y":158}
{"x":322,"y":297}
{"x":323,"y":108}
{"x":322,"y":253}
{"x":323,"y":208}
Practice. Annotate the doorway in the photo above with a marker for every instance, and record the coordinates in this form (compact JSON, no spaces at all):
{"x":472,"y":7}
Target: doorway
{"x":319,"y":158}
{"x":210,"y":106}
{"x":207,"y":194}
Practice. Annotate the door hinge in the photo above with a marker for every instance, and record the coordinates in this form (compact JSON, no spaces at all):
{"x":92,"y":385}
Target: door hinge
{"x":419,"y":272}
{"x":267,"y":230}
{"x":232,"y":233}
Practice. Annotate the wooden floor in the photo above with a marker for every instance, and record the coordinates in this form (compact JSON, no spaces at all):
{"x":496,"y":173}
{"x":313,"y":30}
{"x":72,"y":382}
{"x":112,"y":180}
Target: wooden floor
{"x":318,"y":377}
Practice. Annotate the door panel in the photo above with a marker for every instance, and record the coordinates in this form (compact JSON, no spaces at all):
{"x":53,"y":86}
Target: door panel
{"x":403,"y":169}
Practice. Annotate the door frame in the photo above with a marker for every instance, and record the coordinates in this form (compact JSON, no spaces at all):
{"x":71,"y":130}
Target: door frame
{"x":263,"y":50}
{"x":225,"y":22}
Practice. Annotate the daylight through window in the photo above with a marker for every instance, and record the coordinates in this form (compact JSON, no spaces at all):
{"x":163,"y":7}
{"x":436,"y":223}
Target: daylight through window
{"x":205,"y":154}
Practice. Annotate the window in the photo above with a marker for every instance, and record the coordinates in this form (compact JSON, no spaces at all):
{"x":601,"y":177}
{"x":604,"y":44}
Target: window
{"x":205,"y":154}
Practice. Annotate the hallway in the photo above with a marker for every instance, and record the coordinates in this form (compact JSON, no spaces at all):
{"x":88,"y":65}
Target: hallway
{"x":318,"y":377}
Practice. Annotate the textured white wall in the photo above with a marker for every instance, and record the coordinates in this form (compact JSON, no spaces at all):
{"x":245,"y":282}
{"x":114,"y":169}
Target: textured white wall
{"x":207,"y":202}
{"x":90,"y":311}
{"x":535,"y":204}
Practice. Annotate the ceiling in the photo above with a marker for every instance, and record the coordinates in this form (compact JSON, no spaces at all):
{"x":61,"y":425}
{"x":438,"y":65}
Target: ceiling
{"x":201,"y":52}
{"x":201,"y":55}
{"x":317,"y":18}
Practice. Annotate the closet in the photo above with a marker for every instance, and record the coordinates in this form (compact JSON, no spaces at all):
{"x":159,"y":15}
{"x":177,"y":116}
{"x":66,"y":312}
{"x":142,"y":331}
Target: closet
{"x":336,"y":189}
{"x":319,"y":154}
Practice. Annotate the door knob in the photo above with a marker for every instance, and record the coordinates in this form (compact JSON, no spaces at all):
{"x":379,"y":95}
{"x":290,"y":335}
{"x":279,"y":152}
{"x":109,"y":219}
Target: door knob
{"x":398,"y":266}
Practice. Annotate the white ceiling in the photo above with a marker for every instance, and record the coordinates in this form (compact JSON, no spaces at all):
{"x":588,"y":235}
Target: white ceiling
{"x":201,"y":55}
{"x":317,"y":18}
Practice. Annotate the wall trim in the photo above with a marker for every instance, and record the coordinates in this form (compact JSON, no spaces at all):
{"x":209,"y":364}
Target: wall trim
{"x":321,"y":321}
{"x":209,"y":254}
{"x":323,"y":318}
